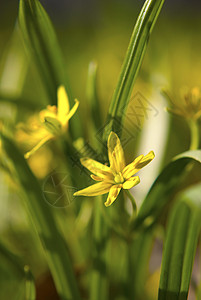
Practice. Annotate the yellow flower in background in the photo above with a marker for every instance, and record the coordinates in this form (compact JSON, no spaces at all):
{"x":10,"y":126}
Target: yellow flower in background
{"x":189,"y":106}
{"x":51,"y":122}
{"x":116,"y":176}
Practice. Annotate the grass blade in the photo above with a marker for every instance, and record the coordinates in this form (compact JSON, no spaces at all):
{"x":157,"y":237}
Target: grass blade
{"x":98,"y":277}
{"x":39,"y":36}
{"x":180,"y":246}
{"x":131,"y":65}
{"x":12,"y":261}
{"x":40,"y":39}
{"x":163,"y":187}
{"x":41,"y":215}
{"x":140,"y":251}
{"x":30,"y":292}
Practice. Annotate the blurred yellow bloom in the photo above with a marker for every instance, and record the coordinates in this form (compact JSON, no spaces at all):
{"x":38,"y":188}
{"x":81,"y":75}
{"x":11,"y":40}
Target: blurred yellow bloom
{"x":190,"y":105}
{"x":42,"y":163}
{"x":116,"y":176}
{"x":51,"y":122}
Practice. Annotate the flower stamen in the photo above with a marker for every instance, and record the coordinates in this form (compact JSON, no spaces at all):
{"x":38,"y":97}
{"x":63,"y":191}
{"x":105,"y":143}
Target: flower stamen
{"x":118,"y":178}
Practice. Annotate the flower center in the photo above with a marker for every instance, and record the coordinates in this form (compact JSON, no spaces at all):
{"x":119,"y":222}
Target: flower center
{"x":118,"y":178}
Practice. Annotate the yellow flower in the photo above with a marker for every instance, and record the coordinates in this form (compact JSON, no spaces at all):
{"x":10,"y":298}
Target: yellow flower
{"x":189,"y":106}
{"x":116,"y":176}
{"x":51,"y":122}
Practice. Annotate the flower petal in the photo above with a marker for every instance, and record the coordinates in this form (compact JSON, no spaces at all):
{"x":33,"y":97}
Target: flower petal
{"x":72,"y":111}
{"x":129,"y":169}
{"x":94,"y":190}
{"x":38,"y":146}
{"x":140,"y":162}
{"x":113,"y":193}
{"x":131,"y":182}
{"x":96,"y":178}
{"x":115,"y":153}
{"x":62,"y":103}
{"x":97,"y":168}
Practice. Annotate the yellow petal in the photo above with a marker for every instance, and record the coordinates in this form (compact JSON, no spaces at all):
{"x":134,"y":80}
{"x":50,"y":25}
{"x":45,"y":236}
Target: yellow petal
{"x":129,"y":169}
{"x":131,"y":182}
{"x":113,"y":193}
{"x":38,"y":146}
{"x":96,"y":178}
{"x":72,"y":111}
{"x":140,"y":162}
{"x":94,"y":190}
{"x":145,"y":160}
{"x":115,"y":153}
{"x":97,"y":168}
{"x":62,"y":103}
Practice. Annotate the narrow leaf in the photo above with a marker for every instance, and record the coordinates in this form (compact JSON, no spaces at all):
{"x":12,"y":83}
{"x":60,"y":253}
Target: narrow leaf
{"x":40,"y":39}
{"x":11,"y":260}
{"x":163,"y":187}
{"x":180,"y":246}
{"x":30,"y":292}
{"x":131,"y":65}
{"x":41,"y":215}
{"x":139,"y":250}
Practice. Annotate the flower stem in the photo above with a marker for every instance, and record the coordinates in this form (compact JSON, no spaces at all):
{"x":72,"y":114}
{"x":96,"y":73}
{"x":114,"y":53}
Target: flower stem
{"x":194,"y":129}
{"x":98,"y":280}
{"x":132,"y":199}
{"x":111,"y":224}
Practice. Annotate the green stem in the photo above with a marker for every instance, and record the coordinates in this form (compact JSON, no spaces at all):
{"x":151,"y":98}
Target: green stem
{"x":111,"y":224}
{"x":194,"y":129}
{"x":98,"y":280}
{"x":132,"y":199}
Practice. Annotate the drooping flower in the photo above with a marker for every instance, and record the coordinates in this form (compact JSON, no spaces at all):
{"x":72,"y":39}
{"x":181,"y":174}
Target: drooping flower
{"x":111,"y":179}
{"x":189,"y":106}
{"x":50,"y":123}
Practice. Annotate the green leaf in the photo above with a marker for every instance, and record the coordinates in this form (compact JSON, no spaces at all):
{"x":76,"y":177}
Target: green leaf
{"x":11,"y":273}
{"x":12,"y":260}
{"x":30,"y":292}
{"x":42,"y":217}
{"x":163,"y":187}
{"x":180,"y":246}
{"x":13,"y":67}
{"x":98,"y":276}
{"x":139,"y":253}
{"x":131,"y":65}
{"x":40,"y":39}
